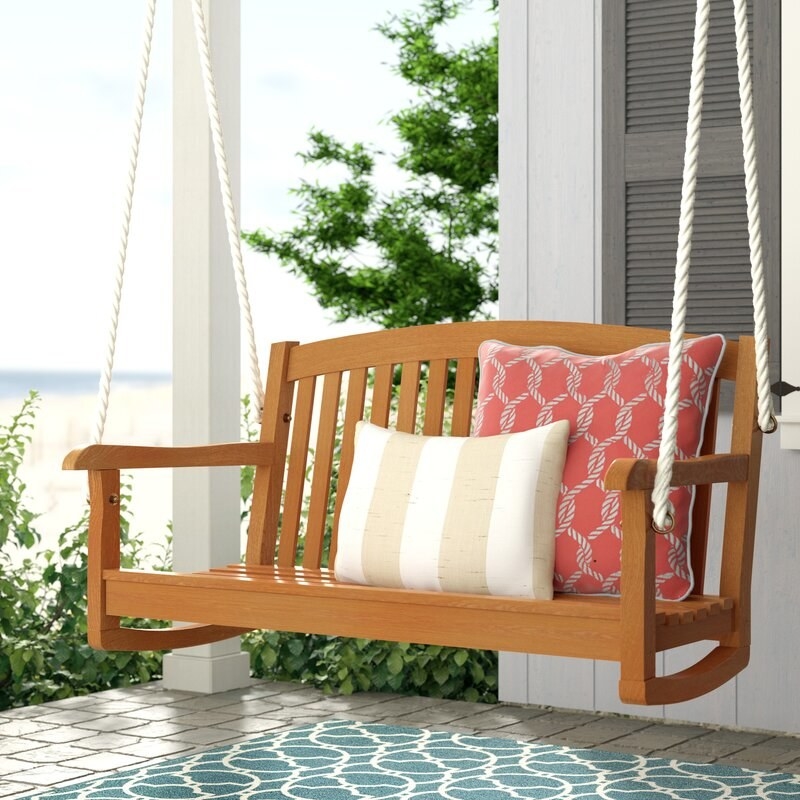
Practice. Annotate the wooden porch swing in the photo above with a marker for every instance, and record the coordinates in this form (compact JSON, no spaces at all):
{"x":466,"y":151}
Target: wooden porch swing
{"x":356,"y":373}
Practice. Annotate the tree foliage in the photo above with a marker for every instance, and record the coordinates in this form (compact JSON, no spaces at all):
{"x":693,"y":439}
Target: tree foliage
{"x":426,"y":253}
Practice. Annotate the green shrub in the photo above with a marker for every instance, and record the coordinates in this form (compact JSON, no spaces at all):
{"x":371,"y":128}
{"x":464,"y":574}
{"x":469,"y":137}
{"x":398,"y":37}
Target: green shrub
{"x":43,"y":650}
{"x":44,"y":654}
{"x":345,"y":665}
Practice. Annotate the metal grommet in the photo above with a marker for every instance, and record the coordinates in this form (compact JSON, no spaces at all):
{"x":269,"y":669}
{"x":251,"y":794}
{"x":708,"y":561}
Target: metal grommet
{"x":772,"y":426}
{"x":668,"y":527}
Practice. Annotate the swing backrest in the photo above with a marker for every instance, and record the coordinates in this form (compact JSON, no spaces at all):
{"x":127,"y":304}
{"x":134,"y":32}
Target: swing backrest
{"x":316,"y":393}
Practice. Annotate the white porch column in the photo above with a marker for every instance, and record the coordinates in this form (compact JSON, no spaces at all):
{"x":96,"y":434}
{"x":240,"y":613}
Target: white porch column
{"x":549,"y":224}
{"x":206,"y":371}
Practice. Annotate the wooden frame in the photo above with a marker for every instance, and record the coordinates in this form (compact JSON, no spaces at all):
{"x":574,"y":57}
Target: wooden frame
{"x":270,"y":591}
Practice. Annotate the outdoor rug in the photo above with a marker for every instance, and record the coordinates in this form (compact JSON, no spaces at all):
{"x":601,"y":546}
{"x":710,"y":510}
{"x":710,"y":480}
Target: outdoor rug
{"x":340,"y":760}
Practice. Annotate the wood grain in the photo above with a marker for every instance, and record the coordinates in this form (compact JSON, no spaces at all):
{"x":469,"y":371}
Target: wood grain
{"x":115,"y":456}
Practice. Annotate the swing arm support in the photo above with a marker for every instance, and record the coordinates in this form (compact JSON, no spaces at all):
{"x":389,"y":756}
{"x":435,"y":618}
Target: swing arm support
{"x":638,"y":680}
{"x":105,"y":631}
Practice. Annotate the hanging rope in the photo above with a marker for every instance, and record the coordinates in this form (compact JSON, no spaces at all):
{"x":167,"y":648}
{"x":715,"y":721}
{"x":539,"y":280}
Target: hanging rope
{"x":234,"y":240}
{"x":662,"y":512}
{"x":111,"y":346}
{"x":766,"y":416}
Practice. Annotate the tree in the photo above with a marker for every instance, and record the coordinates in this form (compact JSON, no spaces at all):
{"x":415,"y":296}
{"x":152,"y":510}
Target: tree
{"x":427,"y":253}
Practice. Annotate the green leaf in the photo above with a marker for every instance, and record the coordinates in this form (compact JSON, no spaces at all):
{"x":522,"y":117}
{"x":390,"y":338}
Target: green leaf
{"x":395,"y":662}
{"x":460,"y":657}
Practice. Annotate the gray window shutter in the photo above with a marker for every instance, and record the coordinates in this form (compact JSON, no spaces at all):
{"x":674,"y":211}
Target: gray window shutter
{"x":647,"y":53}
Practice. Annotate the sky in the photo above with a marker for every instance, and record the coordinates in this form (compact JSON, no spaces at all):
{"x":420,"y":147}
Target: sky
{"x":67,"y":78}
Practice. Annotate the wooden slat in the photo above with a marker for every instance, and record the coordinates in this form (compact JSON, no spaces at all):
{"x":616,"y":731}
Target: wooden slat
{"x":464,"y":395}
{"x":323,"y":464}
{"x":354,"y":411}
{"x":438,"y":373}
{"x":296,"y":472}
{"x":409,"y":397}
{"x":262,"y":532}
{"x":701,"y":511}
{"x":382,"y":394}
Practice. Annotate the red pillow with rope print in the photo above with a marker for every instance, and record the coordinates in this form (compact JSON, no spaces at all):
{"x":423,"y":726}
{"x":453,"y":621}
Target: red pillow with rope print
{"x":614,"y":405}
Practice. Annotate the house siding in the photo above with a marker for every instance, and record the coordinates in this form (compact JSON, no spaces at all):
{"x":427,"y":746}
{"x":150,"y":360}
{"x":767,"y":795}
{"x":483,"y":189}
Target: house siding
{"x":557,"y":190}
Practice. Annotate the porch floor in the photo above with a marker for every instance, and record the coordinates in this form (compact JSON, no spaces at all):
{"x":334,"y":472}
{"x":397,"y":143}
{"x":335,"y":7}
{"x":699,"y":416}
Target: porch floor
{"x":69,"y":740}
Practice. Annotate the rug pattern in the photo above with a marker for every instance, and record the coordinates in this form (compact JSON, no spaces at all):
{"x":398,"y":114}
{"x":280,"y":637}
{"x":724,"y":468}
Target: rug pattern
{"x":341,"y":760}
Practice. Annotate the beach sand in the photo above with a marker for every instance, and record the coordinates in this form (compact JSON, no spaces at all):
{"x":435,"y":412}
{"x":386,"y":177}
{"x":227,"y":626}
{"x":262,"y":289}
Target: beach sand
{"x":141,"y":415}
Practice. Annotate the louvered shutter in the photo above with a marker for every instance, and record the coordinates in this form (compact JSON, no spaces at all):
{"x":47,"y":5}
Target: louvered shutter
{"x":647,"y":55}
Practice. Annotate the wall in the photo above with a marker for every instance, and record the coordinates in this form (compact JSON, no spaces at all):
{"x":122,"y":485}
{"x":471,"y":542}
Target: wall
{"x":551,"y":196}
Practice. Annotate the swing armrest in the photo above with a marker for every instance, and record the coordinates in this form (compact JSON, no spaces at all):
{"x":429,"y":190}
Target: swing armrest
{"x":112,"y":456}
{"x":639,"y":473}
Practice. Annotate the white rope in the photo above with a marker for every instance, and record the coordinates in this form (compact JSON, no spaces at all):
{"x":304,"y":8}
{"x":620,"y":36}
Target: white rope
{"x":108,"y":366}
{"x":766,"y":419}
{"x":234,"y":240}
{"x":662,"y":512}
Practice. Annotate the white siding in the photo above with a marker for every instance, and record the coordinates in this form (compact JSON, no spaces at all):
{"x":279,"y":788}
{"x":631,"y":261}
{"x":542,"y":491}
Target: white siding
{"x":551,"y":195}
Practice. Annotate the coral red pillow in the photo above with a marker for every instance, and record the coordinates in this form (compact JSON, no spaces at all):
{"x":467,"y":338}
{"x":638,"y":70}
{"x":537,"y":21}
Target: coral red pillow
{"x":614,"y":405}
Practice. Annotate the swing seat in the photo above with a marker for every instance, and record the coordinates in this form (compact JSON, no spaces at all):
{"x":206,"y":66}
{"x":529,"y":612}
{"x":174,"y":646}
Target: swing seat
{"x":281,"y":586}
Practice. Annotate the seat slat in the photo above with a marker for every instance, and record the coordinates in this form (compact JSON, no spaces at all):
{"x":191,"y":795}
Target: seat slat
{"x":304,"y":600}
{"x":280,"y":579}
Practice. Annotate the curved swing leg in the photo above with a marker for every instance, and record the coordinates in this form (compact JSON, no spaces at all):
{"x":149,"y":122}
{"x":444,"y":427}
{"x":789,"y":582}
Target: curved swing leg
{"x":716,"y":668}
{"x":104,"y":631}
{"x":122,"y":638}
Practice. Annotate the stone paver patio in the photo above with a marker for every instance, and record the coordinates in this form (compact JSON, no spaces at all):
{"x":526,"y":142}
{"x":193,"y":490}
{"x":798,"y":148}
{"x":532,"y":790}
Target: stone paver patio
{"x":69,"y":740}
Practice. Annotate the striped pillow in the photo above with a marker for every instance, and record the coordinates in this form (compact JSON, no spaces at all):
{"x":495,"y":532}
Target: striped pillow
{"x":453,"y":514}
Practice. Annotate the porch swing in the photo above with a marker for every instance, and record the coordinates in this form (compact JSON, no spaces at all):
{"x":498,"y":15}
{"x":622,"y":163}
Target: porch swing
{"x":627,"y":616}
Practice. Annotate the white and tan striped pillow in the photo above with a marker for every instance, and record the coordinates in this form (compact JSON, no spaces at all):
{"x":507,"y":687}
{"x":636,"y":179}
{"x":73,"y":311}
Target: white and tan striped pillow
{"x":453,"y":514}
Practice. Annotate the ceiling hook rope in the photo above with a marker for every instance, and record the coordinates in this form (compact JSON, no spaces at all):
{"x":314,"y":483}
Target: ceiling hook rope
{"x":104,"y":391}
{"x":661,"y":504}
{"x":766,"y":417}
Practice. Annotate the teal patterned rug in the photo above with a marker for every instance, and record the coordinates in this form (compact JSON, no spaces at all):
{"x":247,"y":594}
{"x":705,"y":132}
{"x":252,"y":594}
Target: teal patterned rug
{"x":343,"y":760}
